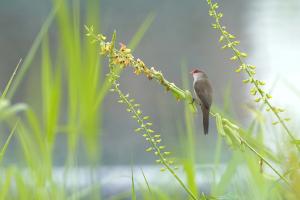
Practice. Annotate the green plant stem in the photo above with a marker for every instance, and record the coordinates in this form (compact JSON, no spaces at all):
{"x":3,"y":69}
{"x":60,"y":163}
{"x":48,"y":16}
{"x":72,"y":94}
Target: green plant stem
{"x":235,"y":133}
{"x":179,"y":94}
{"x":151,"y":139}
{"x":10,"y":80}
{"x":124,"y":56}
{"x":263,"y":159}
{"x":241,"y":62}
{"x":113,"y":79}
{"x":3,"y":149}
{"x":34,"y":48}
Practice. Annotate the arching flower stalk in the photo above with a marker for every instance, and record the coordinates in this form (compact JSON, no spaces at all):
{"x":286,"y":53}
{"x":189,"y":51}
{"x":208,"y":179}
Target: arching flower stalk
{"x":122,"y":58}
{"x":257,"y":85}
{"x":119,"y":59}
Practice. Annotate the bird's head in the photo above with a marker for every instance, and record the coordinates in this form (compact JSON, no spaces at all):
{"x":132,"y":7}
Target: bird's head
{"x":198,"y":73}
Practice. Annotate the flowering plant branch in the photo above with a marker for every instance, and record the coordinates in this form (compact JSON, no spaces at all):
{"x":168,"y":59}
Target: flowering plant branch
{"x":151,"y":136}
{"x":123,"y":58}
{"x":256,"y":90}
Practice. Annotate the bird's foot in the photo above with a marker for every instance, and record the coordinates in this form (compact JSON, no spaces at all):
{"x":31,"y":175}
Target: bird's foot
{"x":193,"y":101}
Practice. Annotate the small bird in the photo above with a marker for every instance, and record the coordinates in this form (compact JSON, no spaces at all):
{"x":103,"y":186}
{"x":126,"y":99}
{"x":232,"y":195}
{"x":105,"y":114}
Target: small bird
{"x":203,"y":92}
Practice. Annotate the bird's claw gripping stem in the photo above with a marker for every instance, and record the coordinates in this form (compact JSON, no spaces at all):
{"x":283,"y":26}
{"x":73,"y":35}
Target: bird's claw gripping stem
{"x":193,"y":101}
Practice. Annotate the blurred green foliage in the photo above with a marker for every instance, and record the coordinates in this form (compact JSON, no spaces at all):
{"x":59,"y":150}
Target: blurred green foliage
{"x":78,"y":68}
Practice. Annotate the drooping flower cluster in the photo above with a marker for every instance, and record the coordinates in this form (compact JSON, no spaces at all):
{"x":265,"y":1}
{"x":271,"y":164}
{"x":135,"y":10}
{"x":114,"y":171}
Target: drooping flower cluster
{"x":123,"y":58}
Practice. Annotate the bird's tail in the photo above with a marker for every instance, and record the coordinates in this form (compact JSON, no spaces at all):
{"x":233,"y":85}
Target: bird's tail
{"x":205,"y":112}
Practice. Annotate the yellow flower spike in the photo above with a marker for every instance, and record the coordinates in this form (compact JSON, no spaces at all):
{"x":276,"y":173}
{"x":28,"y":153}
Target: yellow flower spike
{"x":243,"y":54}
{"x":162,"y":169}
{"x":149,"y":149}
{"x":238,"y":70}
{"x":246,"y":81}
{"x":269,"y":96}
{"x":221,"y":38}
{"x":257,"y":99}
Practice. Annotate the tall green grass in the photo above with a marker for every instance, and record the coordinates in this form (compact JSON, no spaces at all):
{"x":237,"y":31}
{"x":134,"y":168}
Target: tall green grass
{"x":250,"y":157}
{"x":78,"y":69}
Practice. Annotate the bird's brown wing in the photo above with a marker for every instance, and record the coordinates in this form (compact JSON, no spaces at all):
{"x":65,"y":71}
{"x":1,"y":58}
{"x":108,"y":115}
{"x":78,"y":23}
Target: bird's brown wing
{"x":204,"y":92}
